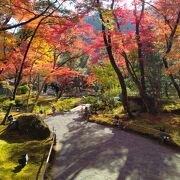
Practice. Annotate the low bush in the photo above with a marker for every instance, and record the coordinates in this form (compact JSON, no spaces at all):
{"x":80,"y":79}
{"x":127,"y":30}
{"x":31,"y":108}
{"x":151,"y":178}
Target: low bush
{"x":2,"y":98}
{"x":67,"y":104}
{"x":19,"y":102}
{"x":4,"y":105}
{"x":89,"y":100}
{"x":33,"y":126}
{"x":23,"y":89}
{"x":103,"y":103}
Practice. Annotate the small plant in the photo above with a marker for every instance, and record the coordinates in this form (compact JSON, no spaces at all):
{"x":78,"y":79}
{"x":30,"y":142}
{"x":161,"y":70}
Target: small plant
{"x":2,"y":98}
{"x":6,"y":103}
{"x":23,"y":89}
{"x":66,"y":104}
{"x":18,"y":102}
{"x":104,"y":103}
{"x":89,"y":99}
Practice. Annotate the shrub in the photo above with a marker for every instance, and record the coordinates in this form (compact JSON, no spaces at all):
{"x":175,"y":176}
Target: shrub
{"x":96,"y":106}
{"x":23,"y":89}
{"x":2,"y":98}
{"x":33,"y":126}
{"x":104,"y":102}
{"x":66,"y":104}
{"x":89,"y":99}
{"x":5,"y":104}
{"x":19,"y":102}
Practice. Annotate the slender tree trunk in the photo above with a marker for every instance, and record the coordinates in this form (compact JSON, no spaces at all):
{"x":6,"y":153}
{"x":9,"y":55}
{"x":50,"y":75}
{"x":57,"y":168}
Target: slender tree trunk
{"x":169,"y":47}
{"x":139,"y":83}
{"x":19,"y":77}
{"x":30,"y":86}
{"x":121,"y":81}
{"x":176,"y":86}
{"x":27,"y":105}
{"x":60,"y":93}
{"x":7,"y":114}
{"x":25,"y":55}
{"x":38,"y":82}
{"x":107,"y":42}
{"x":166,"y":90}
{"x":143,"y":92}
{"x":139,"y":45}
{"x":38,"y":94}
{"x":40,"y":88}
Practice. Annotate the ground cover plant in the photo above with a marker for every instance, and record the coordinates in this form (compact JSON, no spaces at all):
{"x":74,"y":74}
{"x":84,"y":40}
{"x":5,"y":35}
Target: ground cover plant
{"x":143,"y":123}
{"x":15,"y":143}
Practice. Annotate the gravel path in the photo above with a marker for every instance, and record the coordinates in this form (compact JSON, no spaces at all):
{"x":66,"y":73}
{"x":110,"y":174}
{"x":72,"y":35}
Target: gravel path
{"x":87,"y":151}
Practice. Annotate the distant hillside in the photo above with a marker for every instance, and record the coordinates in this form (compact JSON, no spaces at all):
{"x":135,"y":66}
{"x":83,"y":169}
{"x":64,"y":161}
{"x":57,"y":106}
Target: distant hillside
{"x":94,"y":21}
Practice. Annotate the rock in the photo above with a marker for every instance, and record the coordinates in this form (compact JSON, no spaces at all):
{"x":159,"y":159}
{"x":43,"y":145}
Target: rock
{"x":32,"y":126}
{"x":137,"y":105}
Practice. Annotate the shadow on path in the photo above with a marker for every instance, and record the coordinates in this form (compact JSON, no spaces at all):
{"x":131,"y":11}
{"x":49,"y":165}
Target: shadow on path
{"x":94,"y":152}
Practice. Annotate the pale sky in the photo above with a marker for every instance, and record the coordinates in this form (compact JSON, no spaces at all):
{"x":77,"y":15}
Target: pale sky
{"x":105,"y":2}
{"x":71,"y":6}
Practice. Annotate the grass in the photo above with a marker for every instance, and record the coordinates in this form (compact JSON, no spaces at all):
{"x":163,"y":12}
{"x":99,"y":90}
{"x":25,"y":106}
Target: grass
{"x":45,"y":103}
{"x":145,"y":123}
{"x":171,"y":104}
{"x":15,"y":114}
{"x":67,"y":104}
{"x":61,"y":105}
{"x":12,"y":146}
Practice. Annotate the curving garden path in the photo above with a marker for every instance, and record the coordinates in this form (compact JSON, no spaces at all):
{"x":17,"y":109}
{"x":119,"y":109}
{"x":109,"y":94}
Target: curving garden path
{"x":88,"y":151}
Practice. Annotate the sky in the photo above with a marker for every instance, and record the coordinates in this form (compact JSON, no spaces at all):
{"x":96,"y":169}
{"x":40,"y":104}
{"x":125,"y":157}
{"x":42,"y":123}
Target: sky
{"x":106,"y":2}
{"x":71,"y":6}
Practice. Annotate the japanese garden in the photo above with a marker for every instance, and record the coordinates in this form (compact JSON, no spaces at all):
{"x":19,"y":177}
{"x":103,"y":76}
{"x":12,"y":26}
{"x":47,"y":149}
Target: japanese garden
{"x":90,"y":89}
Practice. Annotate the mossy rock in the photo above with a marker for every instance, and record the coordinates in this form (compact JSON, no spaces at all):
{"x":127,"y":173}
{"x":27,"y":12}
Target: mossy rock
{"x":32,"y":126}
{"x":137,"y":105}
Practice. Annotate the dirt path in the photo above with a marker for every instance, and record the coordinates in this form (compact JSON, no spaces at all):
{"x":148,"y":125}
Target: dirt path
{"x":87,"y":151}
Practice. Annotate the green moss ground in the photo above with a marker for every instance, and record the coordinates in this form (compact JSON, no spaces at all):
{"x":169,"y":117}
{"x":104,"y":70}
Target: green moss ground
{"x":45,"y":104}
{"x":61,"y":105}
{"x":12,"y":146}
{"x":144,"y":123}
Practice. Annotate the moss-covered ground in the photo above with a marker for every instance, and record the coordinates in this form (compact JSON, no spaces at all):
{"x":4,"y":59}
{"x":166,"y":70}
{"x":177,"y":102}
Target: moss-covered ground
{"x":44,"y":104}
{"x":12,"y":146}
{"x":144,"y":123}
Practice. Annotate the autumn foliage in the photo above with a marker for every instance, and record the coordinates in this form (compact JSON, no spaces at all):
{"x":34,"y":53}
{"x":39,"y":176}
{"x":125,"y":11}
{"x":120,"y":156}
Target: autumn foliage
{"x":51,"y":40}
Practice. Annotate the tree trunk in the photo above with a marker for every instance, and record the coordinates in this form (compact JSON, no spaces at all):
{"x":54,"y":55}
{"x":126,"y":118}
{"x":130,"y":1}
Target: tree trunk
{"x":169,"y":47}
{"x":19,"y":77}
{"x":25,"y":55}
{"x":142,"y":87}
{"x":7,"y":114}
{"x":166,"y":90}
{"x":39,"y":92}
{"x":29,"y":95}
{"x":107,"y":42}
{"x":139,"y":83}
{"x":60,"y":93}
{"x":176,"y":86}
{"x":121,"y":81}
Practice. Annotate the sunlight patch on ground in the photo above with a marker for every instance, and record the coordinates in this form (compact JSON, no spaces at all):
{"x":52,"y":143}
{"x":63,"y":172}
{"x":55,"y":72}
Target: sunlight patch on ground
{"x":134,"y":175}
{"x":96,"y":173}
